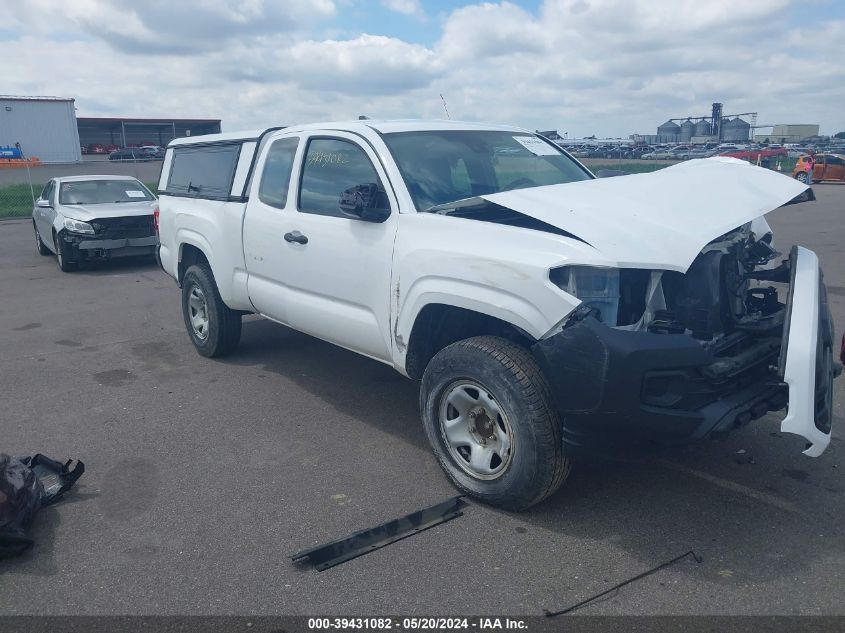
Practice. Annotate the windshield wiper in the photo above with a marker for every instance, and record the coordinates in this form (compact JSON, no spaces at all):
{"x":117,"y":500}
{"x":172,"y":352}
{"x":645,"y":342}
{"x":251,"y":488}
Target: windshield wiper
{"x":455,"y":205}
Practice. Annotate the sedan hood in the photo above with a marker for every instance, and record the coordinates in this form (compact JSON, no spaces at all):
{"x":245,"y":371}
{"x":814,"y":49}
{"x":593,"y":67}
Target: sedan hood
{"x":661,"y":219}
{"x":87,"y":212}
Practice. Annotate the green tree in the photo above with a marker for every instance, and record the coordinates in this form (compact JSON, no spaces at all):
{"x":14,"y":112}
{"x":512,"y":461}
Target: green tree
{"x":839,"y":135}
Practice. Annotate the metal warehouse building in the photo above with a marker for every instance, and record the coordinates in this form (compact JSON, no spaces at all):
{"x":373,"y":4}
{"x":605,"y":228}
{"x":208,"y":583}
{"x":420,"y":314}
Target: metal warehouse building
{"x":127,"y":132}
{"x":44,"y":126}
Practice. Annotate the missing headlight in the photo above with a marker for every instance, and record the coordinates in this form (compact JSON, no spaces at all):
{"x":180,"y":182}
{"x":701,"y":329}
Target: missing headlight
{"x":598,"y":288}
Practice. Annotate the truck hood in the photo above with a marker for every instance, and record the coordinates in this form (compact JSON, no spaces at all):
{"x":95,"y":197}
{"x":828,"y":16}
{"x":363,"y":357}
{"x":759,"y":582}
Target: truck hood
{"x":661,"y":219}
{"x":87,"y":212}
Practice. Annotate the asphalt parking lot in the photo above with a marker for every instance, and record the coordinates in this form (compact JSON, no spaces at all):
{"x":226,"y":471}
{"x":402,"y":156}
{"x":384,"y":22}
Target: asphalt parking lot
{"x":203,"y":476}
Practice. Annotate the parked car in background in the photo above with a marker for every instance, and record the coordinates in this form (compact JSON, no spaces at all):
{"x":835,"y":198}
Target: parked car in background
{"x":754,"y":154}
{"x":154,"y":152}
{"x":96,"y":148}
{"x":659,"y":154}
{"x":112,"y":148}
{"x":828,"y":168}
{"x":135,"y":154}
{"x":80,"y":218}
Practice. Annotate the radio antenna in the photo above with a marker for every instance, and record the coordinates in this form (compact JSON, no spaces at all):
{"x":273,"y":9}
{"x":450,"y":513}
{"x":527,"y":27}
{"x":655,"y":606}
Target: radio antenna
{"x":444,"y":106}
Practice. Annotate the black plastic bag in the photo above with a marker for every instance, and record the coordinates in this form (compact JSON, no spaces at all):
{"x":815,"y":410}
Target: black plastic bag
{"x":26,"y":485}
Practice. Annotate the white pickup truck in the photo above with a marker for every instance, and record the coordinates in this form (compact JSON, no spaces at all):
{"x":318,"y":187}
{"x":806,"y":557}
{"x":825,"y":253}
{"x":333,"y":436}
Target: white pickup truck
{"x":543,"y":310}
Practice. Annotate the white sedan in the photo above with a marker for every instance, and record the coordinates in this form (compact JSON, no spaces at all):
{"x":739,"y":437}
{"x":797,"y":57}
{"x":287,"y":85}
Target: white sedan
{"x":82,"y":218}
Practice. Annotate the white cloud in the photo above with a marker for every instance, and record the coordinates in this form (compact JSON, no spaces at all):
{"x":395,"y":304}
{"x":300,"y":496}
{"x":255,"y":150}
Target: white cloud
{"x":165,"y":26}
{"x":406,"y":7}
{"x":583,"y":66}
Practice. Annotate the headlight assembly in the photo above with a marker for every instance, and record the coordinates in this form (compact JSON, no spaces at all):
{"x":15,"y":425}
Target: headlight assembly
{"x":598,"y":288}
{"x":77,"y":226}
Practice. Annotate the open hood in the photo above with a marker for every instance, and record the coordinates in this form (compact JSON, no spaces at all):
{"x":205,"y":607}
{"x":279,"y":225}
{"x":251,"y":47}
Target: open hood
{"x":661,"y":219}
{"x":88,"y":212}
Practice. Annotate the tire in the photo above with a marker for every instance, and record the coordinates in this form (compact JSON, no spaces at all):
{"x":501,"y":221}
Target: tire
{"x":801,"y":176}
{"x":214,"y":328}
{"x":64,"y":255}
{"x":512,"y":418}
{"x":39,"y":243}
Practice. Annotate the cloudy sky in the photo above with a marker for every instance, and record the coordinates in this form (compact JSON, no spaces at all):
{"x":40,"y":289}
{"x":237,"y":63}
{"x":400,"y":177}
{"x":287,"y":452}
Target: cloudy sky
{"x":605,"y":67}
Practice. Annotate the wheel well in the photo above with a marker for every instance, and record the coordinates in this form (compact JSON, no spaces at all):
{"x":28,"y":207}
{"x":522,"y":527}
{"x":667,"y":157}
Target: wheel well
{"x":438,"y":326}
{"x":190,"y":255}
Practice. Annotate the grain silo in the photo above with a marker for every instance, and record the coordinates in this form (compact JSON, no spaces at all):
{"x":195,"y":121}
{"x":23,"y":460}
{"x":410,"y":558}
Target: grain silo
{"x":743,"y":129}
{"x":735,"y":130}
{"x":687,"y":131}
{"x":668,"y":132}
{"x":702,"y":128}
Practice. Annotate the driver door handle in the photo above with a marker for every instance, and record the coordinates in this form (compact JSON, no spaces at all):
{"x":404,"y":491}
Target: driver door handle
{"x":296,"y":237}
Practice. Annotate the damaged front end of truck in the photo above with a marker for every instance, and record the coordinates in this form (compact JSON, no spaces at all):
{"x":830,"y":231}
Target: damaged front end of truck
{"x":678,"y":357}
{"x":700,"y":325}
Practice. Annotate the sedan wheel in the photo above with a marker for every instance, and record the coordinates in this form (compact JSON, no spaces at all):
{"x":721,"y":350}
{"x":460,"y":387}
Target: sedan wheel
{"x":62,"y":258}
{"x":39,"y":244}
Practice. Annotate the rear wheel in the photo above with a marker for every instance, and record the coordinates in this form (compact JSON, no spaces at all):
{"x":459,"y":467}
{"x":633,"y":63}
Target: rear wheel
{"x":489,"y":417}
{"x":39,"y":243}
{"x":64,"y":255}
{"x":214,"y":328}
{"x":802,"y":177}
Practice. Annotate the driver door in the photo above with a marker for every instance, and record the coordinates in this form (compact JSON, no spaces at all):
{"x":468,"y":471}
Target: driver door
{"x":339,"y":280}
{"x":315,"y":268}
{"x":834,"y":168}
{"x":818,"y":168}
{"x":43,"y":216}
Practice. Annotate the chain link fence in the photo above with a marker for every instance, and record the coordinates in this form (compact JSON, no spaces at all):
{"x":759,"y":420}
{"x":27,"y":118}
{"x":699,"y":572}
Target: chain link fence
{"x":19,"y":186}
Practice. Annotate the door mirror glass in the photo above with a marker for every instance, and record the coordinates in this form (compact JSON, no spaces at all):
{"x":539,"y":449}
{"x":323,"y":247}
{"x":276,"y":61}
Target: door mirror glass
{"x":366,"y":202}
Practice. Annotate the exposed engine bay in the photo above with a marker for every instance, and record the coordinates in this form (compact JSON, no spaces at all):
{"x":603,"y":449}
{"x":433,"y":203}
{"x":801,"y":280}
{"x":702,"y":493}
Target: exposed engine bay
{"x":719,"y":295}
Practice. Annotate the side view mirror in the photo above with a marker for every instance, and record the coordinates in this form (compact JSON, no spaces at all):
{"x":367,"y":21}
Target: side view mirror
{"x":44,"y":204}
{"x":366,"y":202}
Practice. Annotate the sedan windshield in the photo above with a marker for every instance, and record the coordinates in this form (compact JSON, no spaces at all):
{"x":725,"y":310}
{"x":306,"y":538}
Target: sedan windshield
{"x":103,"y":191}
{"x":440,"y":167}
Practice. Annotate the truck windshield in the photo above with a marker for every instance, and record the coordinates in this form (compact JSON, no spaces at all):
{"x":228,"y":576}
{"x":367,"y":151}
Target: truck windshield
{"x":440,"y":167}
{"x":103,"y":192}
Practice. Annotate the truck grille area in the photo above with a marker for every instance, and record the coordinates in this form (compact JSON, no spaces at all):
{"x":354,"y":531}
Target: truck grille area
{"x":124,"y":228}
{"x":744,"y":362}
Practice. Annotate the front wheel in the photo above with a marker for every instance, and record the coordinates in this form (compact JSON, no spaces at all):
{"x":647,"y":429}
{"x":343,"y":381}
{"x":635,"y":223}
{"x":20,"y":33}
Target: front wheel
{"x":214,"y":328}
{"x":39,"y":243}
{"x":64,"y":255}
{"x":803,"y":177}
{"x":489,"y":417}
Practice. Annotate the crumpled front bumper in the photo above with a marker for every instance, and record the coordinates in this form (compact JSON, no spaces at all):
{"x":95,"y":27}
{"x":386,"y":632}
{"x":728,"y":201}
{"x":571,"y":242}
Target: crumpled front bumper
{"x":615,"y":387}
{"x":86,"y":247}
{"x":806,"y":360}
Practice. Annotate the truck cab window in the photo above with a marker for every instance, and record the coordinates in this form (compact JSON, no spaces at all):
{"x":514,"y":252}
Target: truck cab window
{"x":331,"y":166}
{"x":275,"y":179}
{"x":203,"y":171}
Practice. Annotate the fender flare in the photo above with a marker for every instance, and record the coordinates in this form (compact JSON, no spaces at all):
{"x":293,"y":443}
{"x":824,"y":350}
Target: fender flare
{"x":488,"y":300}
{"x":185,"y":237}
